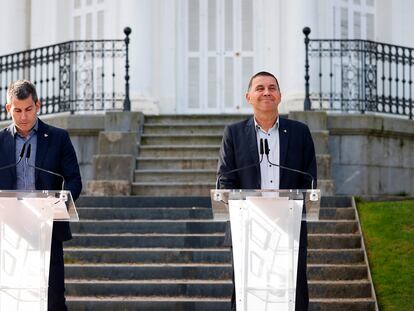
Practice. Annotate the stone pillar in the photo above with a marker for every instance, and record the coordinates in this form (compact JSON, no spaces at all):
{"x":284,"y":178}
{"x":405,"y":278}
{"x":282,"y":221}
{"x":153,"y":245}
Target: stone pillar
{"x":114,"y":165}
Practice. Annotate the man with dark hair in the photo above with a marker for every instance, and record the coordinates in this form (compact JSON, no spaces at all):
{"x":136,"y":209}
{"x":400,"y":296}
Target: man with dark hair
{"x":52,"y":150}
{"x":290,"y":144}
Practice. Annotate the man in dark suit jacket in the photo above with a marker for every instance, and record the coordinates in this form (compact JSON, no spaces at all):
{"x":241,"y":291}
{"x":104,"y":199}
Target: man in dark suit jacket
{"x":54,"y":152}
{"x":292,"y":147}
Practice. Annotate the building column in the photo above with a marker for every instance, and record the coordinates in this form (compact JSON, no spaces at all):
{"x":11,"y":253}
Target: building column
{"x":14,"y":26}
{"x":295,"y":15}
{"x":139,"y":16}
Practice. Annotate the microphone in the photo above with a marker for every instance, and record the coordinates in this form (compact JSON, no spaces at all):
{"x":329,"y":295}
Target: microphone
{"x":20,"y":158}
{"x":267,"y":150}
{"x":244,"y":167}
{"x":29,"y":148}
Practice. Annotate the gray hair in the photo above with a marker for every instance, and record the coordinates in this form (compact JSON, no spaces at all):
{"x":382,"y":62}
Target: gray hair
{"x":21,"y":89}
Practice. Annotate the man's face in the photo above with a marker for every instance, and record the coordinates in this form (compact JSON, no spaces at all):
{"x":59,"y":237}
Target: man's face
{"x":264,"y":95}
{"x":23,"y":113}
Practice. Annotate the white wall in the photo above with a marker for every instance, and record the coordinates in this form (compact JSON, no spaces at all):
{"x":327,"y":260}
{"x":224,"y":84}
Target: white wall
{"x":154,"y":57}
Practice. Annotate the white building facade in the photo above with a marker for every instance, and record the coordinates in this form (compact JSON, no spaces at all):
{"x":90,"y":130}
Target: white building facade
{"x":196,"y":56}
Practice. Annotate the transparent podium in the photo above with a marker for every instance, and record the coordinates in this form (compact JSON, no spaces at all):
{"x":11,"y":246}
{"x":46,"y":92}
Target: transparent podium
{"x":265,"y":229}
{"x":26,"y":222}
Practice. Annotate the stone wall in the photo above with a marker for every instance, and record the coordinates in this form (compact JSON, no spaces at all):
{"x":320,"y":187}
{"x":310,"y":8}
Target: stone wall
{"x":84,"y":131}
{"x":371,"y":154}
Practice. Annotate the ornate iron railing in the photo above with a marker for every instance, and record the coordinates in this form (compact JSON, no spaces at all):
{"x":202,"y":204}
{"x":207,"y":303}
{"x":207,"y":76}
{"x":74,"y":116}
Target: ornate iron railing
{"x":72,"y":76}
{"x":358,"y":75}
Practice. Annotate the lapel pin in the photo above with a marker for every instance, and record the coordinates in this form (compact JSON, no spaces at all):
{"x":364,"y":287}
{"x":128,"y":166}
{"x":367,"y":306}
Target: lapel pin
{"x":46,"y":135}
{"x":284,"y":131}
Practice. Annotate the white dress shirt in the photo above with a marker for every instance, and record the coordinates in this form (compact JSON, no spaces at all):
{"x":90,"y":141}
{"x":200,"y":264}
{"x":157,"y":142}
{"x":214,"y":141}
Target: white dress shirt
{"x":270,"y":175}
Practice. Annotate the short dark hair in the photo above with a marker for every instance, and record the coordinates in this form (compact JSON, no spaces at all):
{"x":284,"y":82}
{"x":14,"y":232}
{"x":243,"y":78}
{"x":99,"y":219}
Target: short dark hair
{"x":21,"y":89}
{"x":260,"y":74}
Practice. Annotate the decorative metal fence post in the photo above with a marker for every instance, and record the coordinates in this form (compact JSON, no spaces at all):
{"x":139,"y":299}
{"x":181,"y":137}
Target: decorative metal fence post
{"x":127,"y":102}
{"x":307,"y":103}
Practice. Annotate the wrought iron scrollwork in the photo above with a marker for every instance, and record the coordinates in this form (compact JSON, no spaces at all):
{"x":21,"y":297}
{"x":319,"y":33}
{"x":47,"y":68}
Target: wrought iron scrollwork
{"x":360,"y":75}
{"x":71,"y":76}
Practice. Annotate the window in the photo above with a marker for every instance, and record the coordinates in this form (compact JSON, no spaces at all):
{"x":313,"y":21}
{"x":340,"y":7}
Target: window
{"x":218,"y":55}
{"x":88,"y":19}
{"x":354,"y":19}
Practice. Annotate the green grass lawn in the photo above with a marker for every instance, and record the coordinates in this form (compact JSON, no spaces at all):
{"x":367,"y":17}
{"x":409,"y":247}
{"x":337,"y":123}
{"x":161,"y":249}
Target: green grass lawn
{"x":388,"y":229}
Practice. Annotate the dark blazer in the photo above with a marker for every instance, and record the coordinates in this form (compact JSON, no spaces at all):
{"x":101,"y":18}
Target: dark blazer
{"x":55,"y":153}
{"x":297,"y":151}
{"x":239,"y":149}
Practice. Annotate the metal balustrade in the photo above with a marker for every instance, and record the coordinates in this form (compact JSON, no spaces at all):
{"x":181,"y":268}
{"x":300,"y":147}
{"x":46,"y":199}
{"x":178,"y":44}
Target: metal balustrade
{"x":358,"y":75}
{"x":82,"y":75}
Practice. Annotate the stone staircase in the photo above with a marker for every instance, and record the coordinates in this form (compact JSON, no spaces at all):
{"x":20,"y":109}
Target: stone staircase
{"x":165,"y":253}
{"x":178,"y":155}
{"x":147,"y":253}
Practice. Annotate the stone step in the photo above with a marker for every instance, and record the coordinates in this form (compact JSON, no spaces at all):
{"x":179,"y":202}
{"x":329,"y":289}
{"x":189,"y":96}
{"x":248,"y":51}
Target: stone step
{"x":146,"y":240}
{"x":149,"y":272}
{"x":148,"y":226}
{"x":177,"y":162}
{"x":335,"y":304}
{"x":338,"y":203}
{"x":180,"y":139}
{"x":196,"y":188}
{"x":185,"y":128}
{"x":334,"y":241}
{"x":147,"y":255}
{"x":189,"y":175}
{"x":184,"y":163}
{"x":184,"y":150}
{"x":326,"y":272}
{"x":172,"y":188}
{"x":333,"y":227}
{"x":175,"y":288}
{"x":337,"y":213}
{"x":340,"y":289}
{"x":336,"y":256}
{"x":92,"y":303}
{"x":147,"y":201}
{"x":119,"y":213}
{"x":195,"y":119}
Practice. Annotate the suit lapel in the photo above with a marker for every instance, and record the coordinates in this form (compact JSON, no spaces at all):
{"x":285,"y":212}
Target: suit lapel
{"x":10,"y":149}
{"x":252,"y":144}
{"x":283,"y":145}
{"x":42,"y":145}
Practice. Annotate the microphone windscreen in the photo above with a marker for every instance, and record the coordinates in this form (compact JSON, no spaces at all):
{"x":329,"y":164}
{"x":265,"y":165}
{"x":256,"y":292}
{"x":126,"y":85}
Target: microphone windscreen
{"x":22,"y":151}
{"x":29,"y":148}
{"x":266,"y":147}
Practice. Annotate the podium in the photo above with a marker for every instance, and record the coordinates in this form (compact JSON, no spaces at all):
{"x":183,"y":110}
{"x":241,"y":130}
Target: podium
{"x":265,"y":229}
{"x":26,"y":222}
